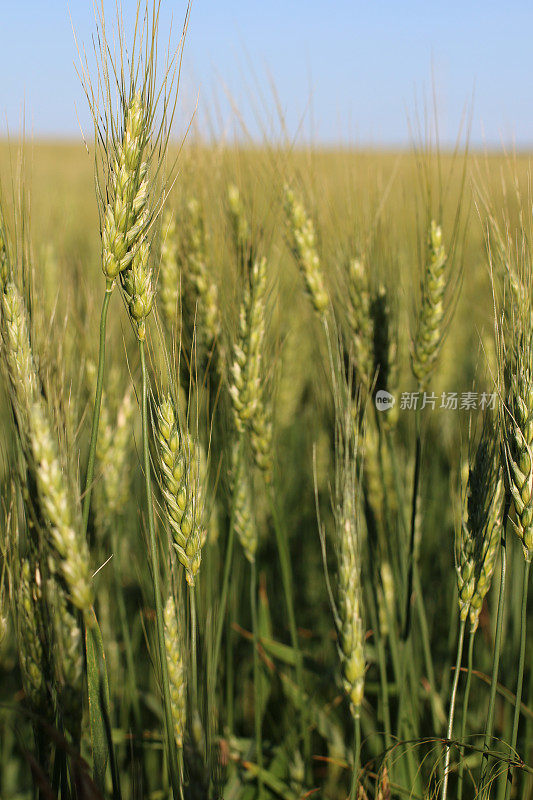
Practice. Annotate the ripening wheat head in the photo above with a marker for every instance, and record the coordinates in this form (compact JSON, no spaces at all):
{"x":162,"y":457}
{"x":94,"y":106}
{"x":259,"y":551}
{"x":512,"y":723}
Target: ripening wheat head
{"x":359,"y":320}
{"x":250,"y":404}
{"x":63,"y":524}
{"x":169,"y":275}
{"x":199,"y":280}
{"x":302,"y":240}
{"x":431,"y":314}
{"x":180,"y":489}
{"x":518,"y":432}
{"x":32,"y":654}
{"x":57,"y":506}
{"x":245,"y":525}
{"x":177,"y":674}
{"x":348,"y":608}
{"x":126,"y":213}
{"x":481,"y":525}
{"x":18,"y":356}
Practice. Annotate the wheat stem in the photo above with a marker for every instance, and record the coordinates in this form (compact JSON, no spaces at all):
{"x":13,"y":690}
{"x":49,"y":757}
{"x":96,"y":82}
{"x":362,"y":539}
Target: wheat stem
{"x":96,"y":411}
{"x":497,"y":649}
{"x":453,"y":698}
{"x":194,"y":662}
{"x":172,"y":755}
{"x":286,"y":578}
{"x":471,"y":641}
{"x":257,"y":699}
{"x":428,"y":660}
{"x":382,"y":660}
{"x":356,"y":758}
{"x":130,"y":671}
{"x":412,"y":533}
{"x":227,"y":569}
{"x":520,"y":677}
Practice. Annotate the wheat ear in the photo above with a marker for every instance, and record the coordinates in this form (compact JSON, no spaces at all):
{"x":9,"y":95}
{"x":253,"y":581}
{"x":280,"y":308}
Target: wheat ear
{"x":244,"y":519}
{"x":430,"y":326}
{"x":176,"y":671}
{"x":302,"y":239}
{"x":125,"y":216}
{"x":169,"y":286}
{"x":179,"y":489}
{"x":251,"y":409}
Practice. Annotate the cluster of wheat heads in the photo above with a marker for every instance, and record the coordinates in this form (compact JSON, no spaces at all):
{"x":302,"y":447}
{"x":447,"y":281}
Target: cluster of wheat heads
{"x":172,"y":624}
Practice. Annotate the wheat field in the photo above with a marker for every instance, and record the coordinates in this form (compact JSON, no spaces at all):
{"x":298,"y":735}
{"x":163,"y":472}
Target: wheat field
{"x":266,"y":462}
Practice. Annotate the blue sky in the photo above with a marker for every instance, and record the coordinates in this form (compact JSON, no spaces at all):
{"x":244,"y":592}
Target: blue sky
{"x":344,"y":71}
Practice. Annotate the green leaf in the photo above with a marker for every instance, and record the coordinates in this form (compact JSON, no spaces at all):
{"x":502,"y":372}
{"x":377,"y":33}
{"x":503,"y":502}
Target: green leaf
{"x":98,"y":691}
{"x":273,"y":783}
{"x":264,"y":631}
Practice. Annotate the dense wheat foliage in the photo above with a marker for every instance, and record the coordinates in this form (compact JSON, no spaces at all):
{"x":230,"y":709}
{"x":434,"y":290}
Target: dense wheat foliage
{"x":230,"y":567}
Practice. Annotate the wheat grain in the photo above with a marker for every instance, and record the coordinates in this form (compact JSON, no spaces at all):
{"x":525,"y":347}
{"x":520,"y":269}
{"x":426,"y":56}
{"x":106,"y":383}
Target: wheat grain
{"x":245,"y":525}
{"x":31,"y":653}
{"x":481,"y":524}
{"x":302,"y":239}
{"x":62,"y":525}
{"x":18,"y":354}
{"x":197,"y":277}
{"x":176,"y":671}
{"x":359,"y":320}
{"x":137,"y":284}
{"x":169,"y":278}
{"x":179,"y":489}
{"x":112,"y":451}
{"x":125,"y":217}
{"x":429,"y":332}
{"x":518,"y":429}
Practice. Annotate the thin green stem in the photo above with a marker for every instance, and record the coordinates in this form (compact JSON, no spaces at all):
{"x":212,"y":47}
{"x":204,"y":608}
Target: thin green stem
{"x":126,"y":637}
{"x":520,"y":678}
{"x":453,"y":632}
{"x":171,"y":743}
{"x":382,"y":663}
{"x":449,"y":732}
{"x":356,"y":758}
{"x":130,"y":671}
{"x":405,"y":663}
{"x":194,"y":655}
{"x":287,"y":581}
{"x":96,"y":410}
{"x":497,"y":649}
{"x":529,"y":735}
{"x":227,"y":569}
{"x":412,"y":532}
{"x":230,"y":694}
{"x":466,"y":698}
{"x":401,"y":555}
{"x":180,"y":771}
{"x":257,"y":698}
{"x":426,"y":646}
